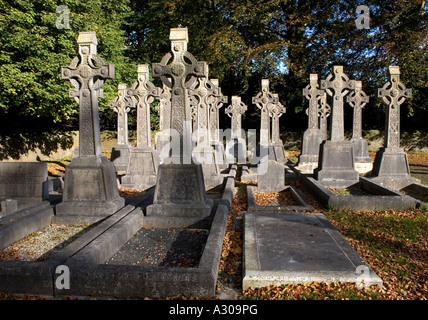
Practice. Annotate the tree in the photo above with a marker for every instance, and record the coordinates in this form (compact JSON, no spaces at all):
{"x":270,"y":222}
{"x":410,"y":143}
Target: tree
{"x":36,"y":41}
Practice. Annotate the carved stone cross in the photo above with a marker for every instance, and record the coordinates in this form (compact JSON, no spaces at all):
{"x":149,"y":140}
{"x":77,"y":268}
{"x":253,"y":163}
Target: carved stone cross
{"x":146,"y":92}
{"x":323,"y":113}
{"x":215,"y":102}
{"x":393,"y":93}
{"x":357,"y":99}
{"x":313,"y":94}
{"x":262,"y":100}
{"x":275,"y":111}
{"x":337,"y":85}
{"x":122,"y":104}
{"x":178,"y":70}
{"x":87,"y":73}
{"x":235,"y":111}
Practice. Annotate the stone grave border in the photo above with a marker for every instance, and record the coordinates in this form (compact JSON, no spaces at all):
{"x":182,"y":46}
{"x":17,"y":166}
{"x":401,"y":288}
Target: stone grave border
{"x":295,"y":193}
{"x":419,"y":188}
{"x":89,"y":276}
{"x":381,"y":198}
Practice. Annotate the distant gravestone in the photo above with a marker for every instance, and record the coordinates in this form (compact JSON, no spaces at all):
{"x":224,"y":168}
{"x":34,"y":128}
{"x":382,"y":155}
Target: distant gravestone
{"x":204,"y":152}
{"x":22,"y":184}
{"x":324,"y":111}
{"x":120,"y":152}
{"x":312,"y":137}
{"x":143,"y":160}
{"x":90,"y":186}
{"x":336,"y":163}
{"x":358,"y":99}
{"x":236,"y":147}
{"x":272,"y":179}
{"x":391,"y":167}
{"x":180,"y":196}
{"x":276,"y":147}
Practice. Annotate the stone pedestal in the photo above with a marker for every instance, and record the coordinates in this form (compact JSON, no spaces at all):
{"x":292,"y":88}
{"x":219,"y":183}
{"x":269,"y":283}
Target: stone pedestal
{"x":142,"y":169}
{"x":220,"y":155}
{"x":90,"y":191}
{"x":236,"y":151}
{"x":120,"y":157}
{"x":180,"y":197}
{"x":277,"y":153}
{"x":308,"y":160}
{"x":391,"y":168}
{"x":271,"y":176}
{"x":206,"y":156}
{"x":336,"y":164}
{"x":362,"y":161}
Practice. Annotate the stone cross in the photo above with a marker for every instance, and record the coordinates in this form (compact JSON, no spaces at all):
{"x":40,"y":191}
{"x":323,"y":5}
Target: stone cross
{"x":357,"y":99}
{"x":177,"y":70}
{"x":146,"y":92}
{"x":337,"y":86}
{"x":323,"y":113}
{"x":215,"y":102}
{"x":88,"y":75}
{"x":235,"y":111}
{"x":164,"y":108}
{"x":313,"y":94}
{"x":393,"y":93}
{"x":262,"y":100}
{"x":122,"y":104}
{"x":275,"y":111}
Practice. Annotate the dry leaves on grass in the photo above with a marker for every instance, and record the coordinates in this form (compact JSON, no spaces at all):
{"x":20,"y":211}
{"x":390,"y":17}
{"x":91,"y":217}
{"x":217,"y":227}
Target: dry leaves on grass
{"x":283,"y":198}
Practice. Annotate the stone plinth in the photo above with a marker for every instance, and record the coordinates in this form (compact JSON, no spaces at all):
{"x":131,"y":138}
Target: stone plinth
{"x":142,"y":169}
{"x":336,"y":164}
{"x":120,"y":157}
{"x":271,"y":177}
{"x":308,"y":160}
{"x":90,"y":191}
{"x":362,"y":162}
{"x":180,"y":198}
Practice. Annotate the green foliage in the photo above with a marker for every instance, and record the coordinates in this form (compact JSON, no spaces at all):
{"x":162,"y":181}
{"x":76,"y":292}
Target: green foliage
{"x":34,"y":49}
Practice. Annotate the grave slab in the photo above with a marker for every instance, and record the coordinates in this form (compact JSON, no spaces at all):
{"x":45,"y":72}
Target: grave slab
{"x":299,"y":248}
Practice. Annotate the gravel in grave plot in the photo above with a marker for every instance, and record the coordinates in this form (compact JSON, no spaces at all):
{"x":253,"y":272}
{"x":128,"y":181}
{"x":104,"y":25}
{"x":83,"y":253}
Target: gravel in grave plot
{"x":162,"y":247}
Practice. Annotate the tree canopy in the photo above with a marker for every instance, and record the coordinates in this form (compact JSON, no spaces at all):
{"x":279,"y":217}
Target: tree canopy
{"x":242,"y":41}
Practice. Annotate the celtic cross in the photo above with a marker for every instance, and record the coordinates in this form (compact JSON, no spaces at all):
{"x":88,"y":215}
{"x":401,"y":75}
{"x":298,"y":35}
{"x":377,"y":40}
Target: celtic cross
{"x":235,"y":111}
{"x":393,"y":93}
{"x":146,"y":92}
{"x":357,"y":99}
{"x":215,"y":102}
{"x":275,"y":111}
{"x":337,"y":85}
{"x":313,"y":94}
{"x":88,"y":73}
{"x":262,"y":100}
{"x":122,"y":104}
{"x":323,"y":113}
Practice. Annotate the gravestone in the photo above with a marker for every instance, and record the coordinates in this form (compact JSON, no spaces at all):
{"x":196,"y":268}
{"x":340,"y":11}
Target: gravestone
{"x":143,"y":160}
{"x":324,"y":111}
{"x":272,"y":178}
{"x":270,"y":107}
{"x":164,"y":109}
{"x":22,"y":184}
{"x":90,"y":187}
{"x":312,"y":137}
{"x":216,"y":102}
{"x":336,"y":162}
{"x":358,"y":99}
{"x":180,"y":196}
{"x":276,"y":147}
{"x":391,"y":167}
{"x":204,"y":152}
{"x":236,"y":147}
{"x":122,"y":104}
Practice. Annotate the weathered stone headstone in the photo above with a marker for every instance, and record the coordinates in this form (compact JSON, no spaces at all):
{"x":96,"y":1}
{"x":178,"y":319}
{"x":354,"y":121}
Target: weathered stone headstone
{"x":273,"y":177}
{"x":204,"y":152}
{"x":312,"y":137}
{"x":215,"y":103}
{"x":144,"y":159}
{"x":391,"y":166}
{"x":90,"y":186}
{"x":122,"y":104}
{"x":236,"y":147}
{"x":336,"y":163}
{"x":358,"y":99}
{"x":276,"y":147}
{"x":180,"y":196}
{"x":324,"y":111}
{"x":22,"y":184}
